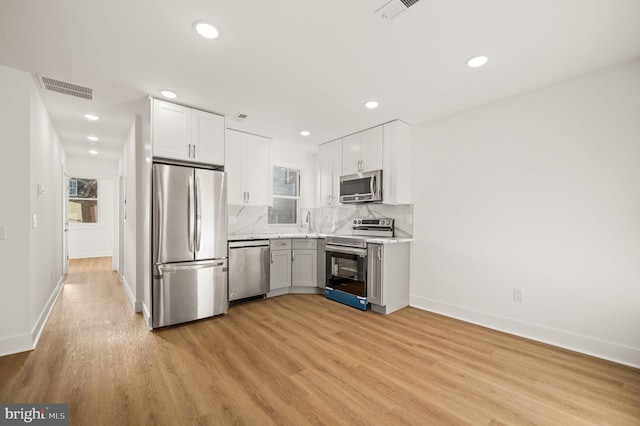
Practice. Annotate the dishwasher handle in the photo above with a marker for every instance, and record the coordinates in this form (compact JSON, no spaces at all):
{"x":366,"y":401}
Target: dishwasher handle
{"x":248,"y":243}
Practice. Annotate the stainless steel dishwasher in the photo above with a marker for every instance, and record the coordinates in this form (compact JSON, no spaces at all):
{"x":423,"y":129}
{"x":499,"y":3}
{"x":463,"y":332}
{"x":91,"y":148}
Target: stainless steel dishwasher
{"x":249,"y":269}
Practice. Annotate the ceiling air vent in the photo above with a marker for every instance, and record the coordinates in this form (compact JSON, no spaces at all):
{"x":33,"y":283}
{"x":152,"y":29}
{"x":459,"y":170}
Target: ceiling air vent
{"x":66,"y":88}
{"x":240,"y":117}
{"x":394,"y":8}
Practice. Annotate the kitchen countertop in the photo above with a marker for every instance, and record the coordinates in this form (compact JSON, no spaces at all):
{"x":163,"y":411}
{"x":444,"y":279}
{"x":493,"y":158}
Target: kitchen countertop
{"x":275,"y":235}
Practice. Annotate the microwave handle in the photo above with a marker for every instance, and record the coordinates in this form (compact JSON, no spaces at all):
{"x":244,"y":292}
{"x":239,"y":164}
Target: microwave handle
{"x":372,"y":185}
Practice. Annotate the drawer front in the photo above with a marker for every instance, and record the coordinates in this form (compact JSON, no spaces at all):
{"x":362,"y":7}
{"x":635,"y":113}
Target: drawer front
{"x":280,"y":244}
{"x":306,"y":243}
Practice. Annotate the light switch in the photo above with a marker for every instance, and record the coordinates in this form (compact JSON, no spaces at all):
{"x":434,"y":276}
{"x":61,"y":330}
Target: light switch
{"x":40,"y":188}
{"x":34,"y":220}
{"x":3,"y":232}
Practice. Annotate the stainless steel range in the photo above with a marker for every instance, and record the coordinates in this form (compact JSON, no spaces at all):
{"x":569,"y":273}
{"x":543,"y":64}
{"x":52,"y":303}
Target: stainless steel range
{"x":346,"y":265}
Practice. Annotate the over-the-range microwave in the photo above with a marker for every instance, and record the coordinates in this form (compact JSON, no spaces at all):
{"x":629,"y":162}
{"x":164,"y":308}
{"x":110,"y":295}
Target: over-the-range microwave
{"x":364,"y":187}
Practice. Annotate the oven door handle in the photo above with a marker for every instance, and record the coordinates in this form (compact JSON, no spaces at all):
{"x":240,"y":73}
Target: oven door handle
{"x":346,"y":250}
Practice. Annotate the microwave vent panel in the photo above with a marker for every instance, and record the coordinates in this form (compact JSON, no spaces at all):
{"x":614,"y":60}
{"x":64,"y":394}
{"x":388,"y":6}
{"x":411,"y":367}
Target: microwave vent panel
{"x":394,"y":8}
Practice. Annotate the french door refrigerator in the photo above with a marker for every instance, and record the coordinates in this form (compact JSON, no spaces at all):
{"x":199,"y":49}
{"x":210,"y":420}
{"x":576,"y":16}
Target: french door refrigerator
{"x":189,"y":233}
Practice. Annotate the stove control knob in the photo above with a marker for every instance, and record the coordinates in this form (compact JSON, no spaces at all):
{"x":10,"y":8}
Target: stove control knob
{"x":355,"y":221}
{"x":359,"y":221}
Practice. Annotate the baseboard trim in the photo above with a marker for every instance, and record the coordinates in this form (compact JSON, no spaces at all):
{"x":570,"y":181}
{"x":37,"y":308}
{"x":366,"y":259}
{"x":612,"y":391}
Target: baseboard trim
{"x":88,"y":255}
{"x":575,"y":342}
{"x":29,"y":341}
{"x":147,"y":316}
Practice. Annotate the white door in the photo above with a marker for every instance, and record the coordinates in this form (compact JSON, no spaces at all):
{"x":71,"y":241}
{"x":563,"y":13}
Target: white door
{"x":65,"y":222}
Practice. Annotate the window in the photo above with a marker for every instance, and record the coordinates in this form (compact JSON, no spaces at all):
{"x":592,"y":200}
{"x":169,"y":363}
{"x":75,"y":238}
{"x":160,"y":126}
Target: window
{"x":286,"y":194}
{"x":83,"y":200}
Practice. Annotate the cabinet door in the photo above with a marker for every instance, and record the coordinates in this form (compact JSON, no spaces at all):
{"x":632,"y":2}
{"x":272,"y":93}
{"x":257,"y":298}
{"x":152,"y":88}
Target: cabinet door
{"x":233,"y":167}
{"x":280,"y":275}
{"x":329,"y":172}
{"x":171,"y":130}
{"x":208,"y":137}
{"x":325,"y":174}
{"x":372,"y":152}
{"x":352,"y":154}
{"x":396,"y":180}
{"x":304,"y":269}
{"x":374,"y":273}
{"x":336,"y":162}
{"x":257,"y":169}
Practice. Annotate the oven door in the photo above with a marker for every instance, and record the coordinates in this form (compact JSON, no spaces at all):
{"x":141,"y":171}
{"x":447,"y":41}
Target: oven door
{"x":346,"y":275}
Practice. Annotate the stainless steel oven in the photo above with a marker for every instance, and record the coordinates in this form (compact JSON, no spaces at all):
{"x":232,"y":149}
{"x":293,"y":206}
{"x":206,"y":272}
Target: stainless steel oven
{"x":346,"y":271}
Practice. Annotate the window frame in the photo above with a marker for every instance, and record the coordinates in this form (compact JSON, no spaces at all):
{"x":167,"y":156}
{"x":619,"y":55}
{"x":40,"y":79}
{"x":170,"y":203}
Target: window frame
{"x":274,"y":196}
{"x":70,"y":199}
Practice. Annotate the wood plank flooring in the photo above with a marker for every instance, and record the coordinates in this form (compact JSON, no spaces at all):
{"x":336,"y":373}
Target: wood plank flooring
{"x":302,"y":359}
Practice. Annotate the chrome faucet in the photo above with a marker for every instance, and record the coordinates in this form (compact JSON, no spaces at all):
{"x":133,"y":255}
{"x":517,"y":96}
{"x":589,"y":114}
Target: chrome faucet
{"x":308,"y":221}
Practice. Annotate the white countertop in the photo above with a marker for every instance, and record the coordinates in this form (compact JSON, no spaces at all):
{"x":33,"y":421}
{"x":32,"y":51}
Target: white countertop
{"x":274,"y":235}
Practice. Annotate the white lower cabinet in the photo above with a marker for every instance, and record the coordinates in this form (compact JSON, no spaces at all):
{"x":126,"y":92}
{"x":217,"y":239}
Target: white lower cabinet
{"x":304,"y":263}
{"x":388,"y":276}
{"x":294,"y":263}
{"x":280,"y":275}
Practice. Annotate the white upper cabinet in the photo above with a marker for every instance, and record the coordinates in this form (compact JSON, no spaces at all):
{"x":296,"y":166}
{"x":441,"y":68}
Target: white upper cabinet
{"x":362,"y":152}
{"x":248,"y":167}
{"x":187,"y":134}
{"x":396,"y":174}
{"x":329,"y":172}
{"x":207,"y":136}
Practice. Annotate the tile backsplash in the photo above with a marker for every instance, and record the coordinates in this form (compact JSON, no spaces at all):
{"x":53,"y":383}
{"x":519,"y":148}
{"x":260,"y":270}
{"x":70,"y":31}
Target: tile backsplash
{"x":324,"y":220}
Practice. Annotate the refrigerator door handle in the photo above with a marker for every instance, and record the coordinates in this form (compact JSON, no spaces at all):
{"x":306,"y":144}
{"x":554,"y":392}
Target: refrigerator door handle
{"x":157,"y":214}
{"x":198,"y":214}
{"x":174,"y":268}
{"x":190,"y":211}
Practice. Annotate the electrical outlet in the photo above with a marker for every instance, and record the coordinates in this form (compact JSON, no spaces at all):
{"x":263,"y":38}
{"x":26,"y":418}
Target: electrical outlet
{"x":517,"y":295}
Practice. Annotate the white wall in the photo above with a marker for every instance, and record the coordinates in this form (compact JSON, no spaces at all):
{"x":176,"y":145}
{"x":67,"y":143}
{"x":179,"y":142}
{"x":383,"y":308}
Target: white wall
{"x":46,"y":159}
{"x":96,"y":240}
{"x":539,"y":192}
{"x":30,"y":258}
{"x":129,"y":267}
{"x":15,"y":210}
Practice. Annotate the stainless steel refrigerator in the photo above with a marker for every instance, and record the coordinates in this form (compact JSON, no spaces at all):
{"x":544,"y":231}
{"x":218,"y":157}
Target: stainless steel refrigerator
{"x":189,"y":235}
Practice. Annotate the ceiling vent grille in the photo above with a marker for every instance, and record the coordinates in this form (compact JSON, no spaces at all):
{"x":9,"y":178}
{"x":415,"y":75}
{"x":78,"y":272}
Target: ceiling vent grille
{"x":240,"y":117}
{"x":66,"y":88}
{"x":394,"y":8}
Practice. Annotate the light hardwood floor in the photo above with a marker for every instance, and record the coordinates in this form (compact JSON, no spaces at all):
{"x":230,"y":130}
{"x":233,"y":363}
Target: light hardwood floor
{"x":302,"y":360}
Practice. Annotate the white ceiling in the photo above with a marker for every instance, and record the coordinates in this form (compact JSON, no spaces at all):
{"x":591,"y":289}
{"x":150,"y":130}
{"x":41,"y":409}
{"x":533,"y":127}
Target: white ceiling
{"x":293,"y":65}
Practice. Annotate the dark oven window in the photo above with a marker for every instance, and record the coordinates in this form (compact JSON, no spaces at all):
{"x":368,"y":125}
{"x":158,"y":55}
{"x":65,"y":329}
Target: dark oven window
{"x":347,"y":272}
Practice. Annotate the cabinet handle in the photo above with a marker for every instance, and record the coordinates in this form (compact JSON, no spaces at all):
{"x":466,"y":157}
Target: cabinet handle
{"x":293,"y":256}
{"x":248,"y":196}
{"x":380,"y":254}
{"x":271,"y":257}
{"x":194,"y":152}
{"x":189,"y":150}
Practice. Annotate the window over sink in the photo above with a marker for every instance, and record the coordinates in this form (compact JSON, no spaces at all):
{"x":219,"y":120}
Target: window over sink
{"x":286,"y":196}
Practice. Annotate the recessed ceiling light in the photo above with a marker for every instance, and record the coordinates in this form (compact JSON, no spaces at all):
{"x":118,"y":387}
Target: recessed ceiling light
{"x":92,"y":138}
{"x":91,"y":117}
{"x":206,"y":29}
{"x":169,"y":94}
{"x":305,"y":132}
{"x":93,"y":152}
{"x":477,"y":61}
{"x":371,"y":104}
